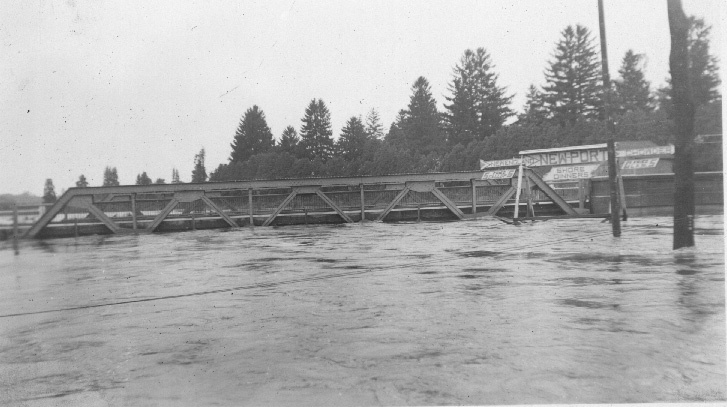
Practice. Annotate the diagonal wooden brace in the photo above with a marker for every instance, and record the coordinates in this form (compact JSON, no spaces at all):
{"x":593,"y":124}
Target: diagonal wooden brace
{"x":100,"y":215}
{"x":49,"y":215}
{"x":557,"y":199}
{"x":334,"y":206}
{"x":280,"y":208}
{"x":393,"y":203}
{"x":163,"y":214}
{"x":217,"y":209}
{"x":448,"y":203}
{"x":501,"y":202}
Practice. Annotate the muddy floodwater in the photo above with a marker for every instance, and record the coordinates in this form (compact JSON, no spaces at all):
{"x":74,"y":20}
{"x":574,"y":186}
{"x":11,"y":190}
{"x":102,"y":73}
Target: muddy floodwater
{"x":471,"y":312}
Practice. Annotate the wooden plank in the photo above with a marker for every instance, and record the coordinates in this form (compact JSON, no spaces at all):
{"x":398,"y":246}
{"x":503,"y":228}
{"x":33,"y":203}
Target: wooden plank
{"x":280,"y":208}
{"x":449,"y":204}
{"x":363,"y":203}
{"x":217,"y":209}
{"x":334,"y":206}
{"x":501,"y":201}
{"x":474,"y":196}
{"x":100,"y":215}
{"x":557,"y":199}
{"x":393,"y":203}
{"x":250,"y":209}
{"x":162,"y":215}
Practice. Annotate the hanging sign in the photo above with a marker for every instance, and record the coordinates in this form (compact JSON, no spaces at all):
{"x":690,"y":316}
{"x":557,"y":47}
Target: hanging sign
{"x":638,"y":164}
{"x":499,"y":163}
{"x":499,"y":174}
{"x":657,"y":150}
{"x":595,"y":153}
{"x":570,"y":172}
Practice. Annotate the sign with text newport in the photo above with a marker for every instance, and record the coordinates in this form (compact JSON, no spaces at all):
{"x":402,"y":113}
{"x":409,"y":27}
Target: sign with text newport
{"x":590,"y":154}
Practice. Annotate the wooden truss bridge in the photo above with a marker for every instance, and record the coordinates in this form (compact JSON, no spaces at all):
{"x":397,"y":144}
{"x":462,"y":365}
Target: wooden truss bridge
{"x":170,"y":207}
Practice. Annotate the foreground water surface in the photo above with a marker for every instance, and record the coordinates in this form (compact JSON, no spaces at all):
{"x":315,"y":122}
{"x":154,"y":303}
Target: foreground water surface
{"x":472,"y":312}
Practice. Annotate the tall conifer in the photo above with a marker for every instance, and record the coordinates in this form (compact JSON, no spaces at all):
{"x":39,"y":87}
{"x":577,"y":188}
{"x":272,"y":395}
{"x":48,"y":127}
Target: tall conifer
{"x":253,"y":136}
{"x":316,"y":134}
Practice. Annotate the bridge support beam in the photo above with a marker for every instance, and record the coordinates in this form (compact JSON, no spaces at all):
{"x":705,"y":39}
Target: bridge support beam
{"x":280,"y":208}
{"x":163,"y":214}
{"x":393,"y":203}
{"x":449,"y":204}
{"x":557,"y":199}
{"x":501,"y":201}
{"x":335,"y":207}
{"x":217,"y":209}
{"x":100,"y":215}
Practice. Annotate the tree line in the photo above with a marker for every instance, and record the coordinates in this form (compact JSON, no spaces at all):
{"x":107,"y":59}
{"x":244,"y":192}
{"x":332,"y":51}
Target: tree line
{"x":477,"y":122}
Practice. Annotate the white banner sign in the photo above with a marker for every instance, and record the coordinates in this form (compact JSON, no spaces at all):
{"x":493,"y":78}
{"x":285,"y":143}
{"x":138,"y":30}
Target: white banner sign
{"x":637,"y":164}
{"x":658,"y":150}
{"x":570,"y":172}
{"x":566,"y":157}
{"x":499,"y":174}
{"x":499,"y":163}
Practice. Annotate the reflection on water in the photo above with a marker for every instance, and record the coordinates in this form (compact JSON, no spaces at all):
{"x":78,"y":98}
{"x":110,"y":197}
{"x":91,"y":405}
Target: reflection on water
{"x":474,"y":312}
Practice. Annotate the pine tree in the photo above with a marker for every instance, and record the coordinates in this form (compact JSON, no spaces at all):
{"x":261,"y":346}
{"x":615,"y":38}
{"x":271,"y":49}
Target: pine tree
{"x":573,"y":89}
{"x":253,"y":136}
{"x":175,"y":176}
{"x":199,"y":174}
{"x":631,"y":92}
{"x":316,"y":135}
{"x":703,"y":69}
{"x":143,"y":179}
{"x":353,"y":139}
{"x":289,"y":142}
{"x":374,"y":128}
{"x":110,"y":177}
{"x":534,"y":111}
{"x":49,"y":192}
{"x":422,"y":130}
{"x":478,"y":106}
{"x":81,"y":183}
{"x":160,"y":181}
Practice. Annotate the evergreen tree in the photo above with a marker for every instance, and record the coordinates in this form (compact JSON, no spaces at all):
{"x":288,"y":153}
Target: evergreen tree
{"x":534,"y":111}
{"x":289,"y":142}
{"x":49,"y":192}
{"x":374,"y":128}
{"x":81,"y":183}
{"x":143,"y":179}
{"x":478,"y":106}
{"x":253,"y":136}
{"x":353,"y":139}
{"x":160,"y":181}
{"x":316,"y":135}
{"x":199,"y":174}
{"x":421,"y":125}
{"x":175,"y":176}
{"x":703,"y":69}
{"x":632,"y":92}
{"x":110,"y":177}
{"x":573,"y":88}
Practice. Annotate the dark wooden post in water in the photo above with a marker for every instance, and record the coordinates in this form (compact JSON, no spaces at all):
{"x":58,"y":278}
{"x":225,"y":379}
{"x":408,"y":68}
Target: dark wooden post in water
{"x":474,"y":196}
{"x":15,"y":228}
{"x":363,"y":203}
{"x":250,"y":209}
{"x":611,"y":145}
{"x":684,"y":121}
{"x":133,"y":212}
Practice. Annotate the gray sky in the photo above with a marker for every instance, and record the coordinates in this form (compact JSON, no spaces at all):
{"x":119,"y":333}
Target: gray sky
{"x":143,"y":85}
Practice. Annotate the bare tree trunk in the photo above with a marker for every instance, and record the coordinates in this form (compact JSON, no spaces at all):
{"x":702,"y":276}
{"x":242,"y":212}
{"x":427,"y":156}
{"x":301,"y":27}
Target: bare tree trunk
{"x":684,"y":122}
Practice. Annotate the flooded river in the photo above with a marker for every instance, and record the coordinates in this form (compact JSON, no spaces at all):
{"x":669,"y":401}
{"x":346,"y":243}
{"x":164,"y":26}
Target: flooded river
{"x":472,"y":312}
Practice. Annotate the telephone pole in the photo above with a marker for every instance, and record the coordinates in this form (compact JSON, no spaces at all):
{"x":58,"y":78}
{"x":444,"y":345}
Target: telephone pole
{"x":611,"y":144}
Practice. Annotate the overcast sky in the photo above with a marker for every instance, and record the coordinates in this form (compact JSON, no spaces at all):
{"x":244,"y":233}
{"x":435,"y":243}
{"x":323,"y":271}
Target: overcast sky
{"x":144,"y":85}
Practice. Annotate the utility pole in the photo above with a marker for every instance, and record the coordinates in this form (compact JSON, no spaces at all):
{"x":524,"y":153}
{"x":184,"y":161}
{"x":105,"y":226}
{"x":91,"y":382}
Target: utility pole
{"x":611,"y":144}
{"x":684,"y":121}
